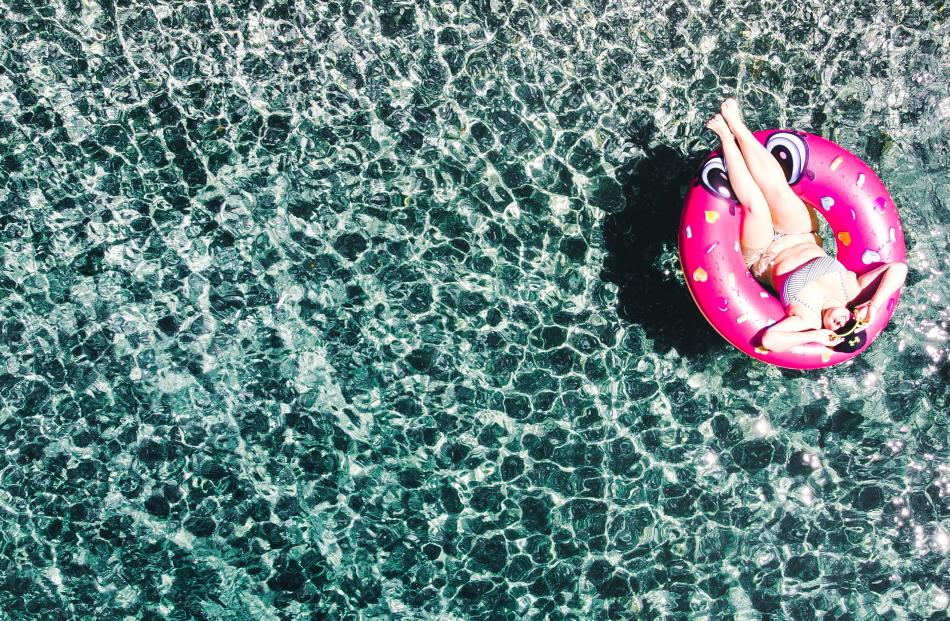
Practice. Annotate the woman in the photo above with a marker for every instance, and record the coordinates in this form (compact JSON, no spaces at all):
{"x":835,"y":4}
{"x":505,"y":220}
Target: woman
{"x":782,"y":249}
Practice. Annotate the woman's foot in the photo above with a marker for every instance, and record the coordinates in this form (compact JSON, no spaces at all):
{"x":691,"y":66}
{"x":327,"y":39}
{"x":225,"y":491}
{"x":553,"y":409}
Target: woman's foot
{"x":730,"y":112}
{"x":719,"y":126}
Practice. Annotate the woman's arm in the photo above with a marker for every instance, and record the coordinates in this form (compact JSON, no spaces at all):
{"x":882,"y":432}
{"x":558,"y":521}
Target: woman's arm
{"x":889,"y":279}
{"x":793,"y":331}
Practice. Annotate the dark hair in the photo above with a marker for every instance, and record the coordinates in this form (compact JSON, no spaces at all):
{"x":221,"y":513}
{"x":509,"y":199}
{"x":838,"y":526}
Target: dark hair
{"x":854,"y":336}
{"x":848,"y":327}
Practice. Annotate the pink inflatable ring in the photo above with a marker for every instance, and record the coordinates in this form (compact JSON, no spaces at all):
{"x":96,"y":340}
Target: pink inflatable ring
{"x":837,"y":185}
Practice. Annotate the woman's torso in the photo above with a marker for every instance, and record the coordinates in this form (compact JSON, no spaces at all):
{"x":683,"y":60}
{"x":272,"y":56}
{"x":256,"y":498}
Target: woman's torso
{"x":828,"y":291}
{"x":799,"y":250}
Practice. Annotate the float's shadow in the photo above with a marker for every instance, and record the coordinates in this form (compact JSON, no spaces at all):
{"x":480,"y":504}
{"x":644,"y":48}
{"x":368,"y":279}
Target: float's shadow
{"x":640,"y":236}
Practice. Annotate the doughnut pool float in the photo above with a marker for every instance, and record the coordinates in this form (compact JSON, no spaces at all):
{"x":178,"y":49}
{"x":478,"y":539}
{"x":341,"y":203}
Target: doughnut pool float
{"x":829,"y":179}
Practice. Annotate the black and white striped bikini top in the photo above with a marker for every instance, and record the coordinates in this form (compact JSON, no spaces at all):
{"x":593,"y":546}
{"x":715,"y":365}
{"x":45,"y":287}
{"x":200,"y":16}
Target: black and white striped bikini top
{"x":809,"y":273}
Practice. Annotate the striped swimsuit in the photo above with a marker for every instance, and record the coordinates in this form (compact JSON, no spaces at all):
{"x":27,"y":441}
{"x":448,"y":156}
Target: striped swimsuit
{"x":808,"y":273}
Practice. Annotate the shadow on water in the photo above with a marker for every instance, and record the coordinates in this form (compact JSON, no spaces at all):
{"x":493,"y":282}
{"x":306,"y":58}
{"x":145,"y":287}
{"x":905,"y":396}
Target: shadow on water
{"x":637,"y":237}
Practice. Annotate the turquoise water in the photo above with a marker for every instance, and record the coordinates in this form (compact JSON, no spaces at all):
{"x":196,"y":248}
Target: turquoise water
{"x":371,"y":310}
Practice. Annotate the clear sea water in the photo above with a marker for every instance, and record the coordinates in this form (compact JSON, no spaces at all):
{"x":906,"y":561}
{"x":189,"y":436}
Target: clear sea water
{"x":372,"y":310}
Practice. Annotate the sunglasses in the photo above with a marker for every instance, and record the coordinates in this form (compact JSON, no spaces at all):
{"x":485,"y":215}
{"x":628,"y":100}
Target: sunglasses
{"x":853,"y":325}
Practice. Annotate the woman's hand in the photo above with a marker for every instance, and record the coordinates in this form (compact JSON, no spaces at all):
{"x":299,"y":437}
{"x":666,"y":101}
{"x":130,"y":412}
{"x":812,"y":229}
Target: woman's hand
{"x":825,"y":337}
{"x":865,"y":313}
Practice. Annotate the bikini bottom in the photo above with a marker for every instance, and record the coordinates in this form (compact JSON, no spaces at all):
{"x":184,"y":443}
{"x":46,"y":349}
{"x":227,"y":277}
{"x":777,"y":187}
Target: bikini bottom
{"x":760,"y":261}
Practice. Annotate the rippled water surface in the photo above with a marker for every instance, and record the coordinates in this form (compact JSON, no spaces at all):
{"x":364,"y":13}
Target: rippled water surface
{"x":371,"y":310}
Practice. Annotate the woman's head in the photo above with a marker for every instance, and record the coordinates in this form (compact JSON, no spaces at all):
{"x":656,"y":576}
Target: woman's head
{"x":853,"y":336}
{"x":836,"y":317}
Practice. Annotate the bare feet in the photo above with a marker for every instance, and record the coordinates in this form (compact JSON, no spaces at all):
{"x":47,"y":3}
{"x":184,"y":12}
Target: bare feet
{"x":730,"y":112}
{"x":718,"y":125}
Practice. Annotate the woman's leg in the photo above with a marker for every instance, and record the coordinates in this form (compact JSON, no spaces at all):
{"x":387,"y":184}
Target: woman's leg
{"x":756,"y":231}
{"x":789,"y":213}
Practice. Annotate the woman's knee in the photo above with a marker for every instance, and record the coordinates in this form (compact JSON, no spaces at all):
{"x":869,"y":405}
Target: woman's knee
{"x":757,"y":208}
